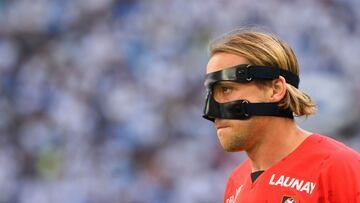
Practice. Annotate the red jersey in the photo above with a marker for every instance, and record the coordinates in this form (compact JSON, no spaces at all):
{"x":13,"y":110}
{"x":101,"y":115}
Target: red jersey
{"x":319,"y":170}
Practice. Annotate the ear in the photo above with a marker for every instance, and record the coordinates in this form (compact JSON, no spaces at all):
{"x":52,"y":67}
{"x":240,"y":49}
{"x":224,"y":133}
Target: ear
{"x":278,"y":89}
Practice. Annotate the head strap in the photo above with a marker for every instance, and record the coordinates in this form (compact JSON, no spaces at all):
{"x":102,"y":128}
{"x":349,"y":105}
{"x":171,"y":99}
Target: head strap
{"x":245,"y":73}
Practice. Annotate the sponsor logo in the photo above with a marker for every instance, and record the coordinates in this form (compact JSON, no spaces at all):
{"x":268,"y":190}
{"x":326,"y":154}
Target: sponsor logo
{"x":290,"y":182}
{"x":287,"y":199}
{"x":232,"y":198}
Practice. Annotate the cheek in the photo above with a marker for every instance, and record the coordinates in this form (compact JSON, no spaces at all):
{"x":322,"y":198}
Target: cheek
{"x":256,"y":95}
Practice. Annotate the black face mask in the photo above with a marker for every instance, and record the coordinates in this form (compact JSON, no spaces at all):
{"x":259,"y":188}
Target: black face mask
{"x":243,"y":109}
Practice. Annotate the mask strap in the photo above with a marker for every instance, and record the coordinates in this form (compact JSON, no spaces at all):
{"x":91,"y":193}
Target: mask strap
{"x":242,"y":110}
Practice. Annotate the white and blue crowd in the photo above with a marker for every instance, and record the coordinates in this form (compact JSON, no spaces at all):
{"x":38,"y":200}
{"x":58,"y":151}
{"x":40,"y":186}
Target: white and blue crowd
{"x":101,"y":100}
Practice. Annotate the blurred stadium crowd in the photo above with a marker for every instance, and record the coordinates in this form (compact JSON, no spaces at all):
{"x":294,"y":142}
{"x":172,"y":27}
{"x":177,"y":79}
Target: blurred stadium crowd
{"x":101,"y":100}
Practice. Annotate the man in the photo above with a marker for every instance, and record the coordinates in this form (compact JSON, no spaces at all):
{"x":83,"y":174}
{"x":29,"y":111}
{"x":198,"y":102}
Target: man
{"x":252,"y":82}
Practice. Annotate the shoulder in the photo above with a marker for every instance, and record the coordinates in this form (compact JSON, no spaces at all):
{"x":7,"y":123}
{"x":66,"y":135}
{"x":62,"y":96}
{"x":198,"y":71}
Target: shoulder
{"x":340,"y":164}
{"x":344,"y":160}
{"x":331,"y":148}
{"x":328,"y":156}
{"x":336,"y":151}
{"x":320,"y":150}
{"x":339,"y":172}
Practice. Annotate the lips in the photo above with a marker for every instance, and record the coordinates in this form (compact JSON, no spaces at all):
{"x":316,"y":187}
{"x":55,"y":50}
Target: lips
{"x":220,"y":123}
{"x":220,"y":126}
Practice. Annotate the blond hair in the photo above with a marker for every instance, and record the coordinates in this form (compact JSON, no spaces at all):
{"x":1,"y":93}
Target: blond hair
{"x":262,"y":48}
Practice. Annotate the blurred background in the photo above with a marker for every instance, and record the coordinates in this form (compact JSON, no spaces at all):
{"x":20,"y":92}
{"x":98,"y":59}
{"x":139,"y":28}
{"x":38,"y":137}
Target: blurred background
{"x":101,"y":100}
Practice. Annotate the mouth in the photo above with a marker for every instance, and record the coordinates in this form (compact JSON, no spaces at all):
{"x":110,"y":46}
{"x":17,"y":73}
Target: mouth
{"x":218,"y":127}
{"x":220,"y":124}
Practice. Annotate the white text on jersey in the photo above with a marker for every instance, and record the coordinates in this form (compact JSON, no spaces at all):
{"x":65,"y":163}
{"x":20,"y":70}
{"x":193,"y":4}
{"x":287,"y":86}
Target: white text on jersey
{"x":232,"y":199}
{"x":286,"y":181}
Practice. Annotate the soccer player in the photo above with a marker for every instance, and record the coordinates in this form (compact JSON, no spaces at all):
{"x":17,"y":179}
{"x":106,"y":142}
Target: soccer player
{"x":252,"y":95}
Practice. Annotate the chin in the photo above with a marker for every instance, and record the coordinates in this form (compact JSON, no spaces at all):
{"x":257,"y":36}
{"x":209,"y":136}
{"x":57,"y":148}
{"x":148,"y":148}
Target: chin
{"x":231,"y":143}
{"x":231,"y":150}
{"x":231,"y":147}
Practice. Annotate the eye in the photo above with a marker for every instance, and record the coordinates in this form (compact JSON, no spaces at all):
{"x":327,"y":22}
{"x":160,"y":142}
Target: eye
{"x":223,"y":92}
{"x":226,"y":89}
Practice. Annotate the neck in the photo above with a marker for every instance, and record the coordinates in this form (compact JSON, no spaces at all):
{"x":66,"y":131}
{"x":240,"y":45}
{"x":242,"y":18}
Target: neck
{"x":274,"y":144}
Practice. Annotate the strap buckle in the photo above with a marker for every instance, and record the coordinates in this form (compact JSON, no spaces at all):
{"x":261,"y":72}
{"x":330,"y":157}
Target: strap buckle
{"x":242,"y":73}
{"x":241,"y":109}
